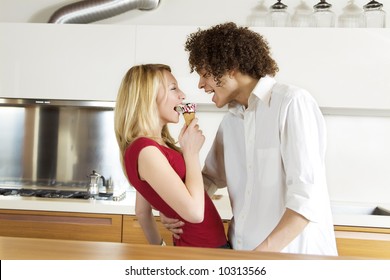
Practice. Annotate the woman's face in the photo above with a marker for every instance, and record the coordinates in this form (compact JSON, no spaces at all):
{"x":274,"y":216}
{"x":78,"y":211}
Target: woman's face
{"x":168,"y":97}
{"x":224,"y":93}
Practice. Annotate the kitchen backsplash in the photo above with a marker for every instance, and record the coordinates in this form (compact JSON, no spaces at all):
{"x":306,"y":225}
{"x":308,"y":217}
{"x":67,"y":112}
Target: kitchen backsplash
{"x":54,"y":143}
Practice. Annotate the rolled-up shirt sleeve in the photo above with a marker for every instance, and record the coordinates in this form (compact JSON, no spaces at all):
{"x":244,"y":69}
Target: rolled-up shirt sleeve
{"x":302,"y":137}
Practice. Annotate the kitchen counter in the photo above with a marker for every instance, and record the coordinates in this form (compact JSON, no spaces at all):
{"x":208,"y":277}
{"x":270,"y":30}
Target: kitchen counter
{"x":359,"y":214}
{"x":12,"y":248}
{"x":344,"y":213}
{"x":122,"y":207}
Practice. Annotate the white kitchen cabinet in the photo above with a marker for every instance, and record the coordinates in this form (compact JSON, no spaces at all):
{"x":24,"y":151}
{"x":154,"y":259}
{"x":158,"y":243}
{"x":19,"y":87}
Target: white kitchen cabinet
{"x":340,"y":67}
{"x":82,"y":62}
{"x":165,"y":44}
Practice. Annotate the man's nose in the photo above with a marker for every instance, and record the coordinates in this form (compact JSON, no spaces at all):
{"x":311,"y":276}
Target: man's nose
{"x":200,"y":84}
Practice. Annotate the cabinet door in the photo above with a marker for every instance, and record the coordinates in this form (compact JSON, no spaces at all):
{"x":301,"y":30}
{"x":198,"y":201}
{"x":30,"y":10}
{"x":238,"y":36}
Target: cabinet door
{"x":363,"y":242}
{"x":340,"y":67}
{"x":64,"y":61}
{"x":165,"y":44}
{"x":61,"y":225}
{"x":132,"y":231}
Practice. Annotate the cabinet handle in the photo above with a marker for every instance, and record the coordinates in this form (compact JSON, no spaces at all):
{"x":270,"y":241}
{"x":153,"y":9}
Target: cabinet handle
{"x":56,"y":219}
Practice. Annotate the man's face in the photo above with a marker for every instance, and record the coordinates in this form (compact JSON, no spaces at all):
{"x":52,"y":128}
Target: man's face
{"x":223,"y":93}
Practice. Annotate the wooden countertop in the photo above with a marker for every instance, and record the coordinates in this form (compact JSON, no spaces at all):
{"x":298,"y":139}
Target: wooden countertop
{"x":13,"y":248}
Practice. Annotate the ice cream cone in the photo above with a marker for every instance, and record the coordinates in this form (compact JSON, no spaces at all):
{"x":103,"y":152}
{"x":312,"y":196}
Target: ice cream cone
{"x":188,"y":117}
{"x":188,"y":110}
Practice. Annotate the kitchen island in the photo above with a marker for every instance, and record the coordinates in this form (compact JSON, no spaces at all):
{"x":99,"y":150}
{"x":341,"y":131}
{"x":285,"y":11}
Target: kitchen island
{"x":15,"y":248}
{"x":358,"y":233}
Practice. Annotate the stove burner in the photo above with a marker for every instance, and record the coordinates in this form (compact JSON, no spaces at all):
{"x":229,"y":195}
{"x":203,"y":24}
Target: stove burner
{"x":53,"y":193}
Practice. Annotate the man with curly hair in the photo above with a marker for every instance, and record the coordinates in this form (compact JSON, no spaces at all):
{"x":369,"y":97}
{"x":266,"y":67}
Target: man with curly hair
{"x":269,"y":149}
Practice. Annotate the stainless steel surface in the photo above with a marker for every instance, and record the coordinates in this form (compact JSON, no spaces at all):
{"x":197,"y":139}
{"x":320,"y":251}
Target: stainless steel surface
{"x":57,"y":102}
{"x":57,"y":143}
{"x":93,"y":10}
{"x":64,"y":194}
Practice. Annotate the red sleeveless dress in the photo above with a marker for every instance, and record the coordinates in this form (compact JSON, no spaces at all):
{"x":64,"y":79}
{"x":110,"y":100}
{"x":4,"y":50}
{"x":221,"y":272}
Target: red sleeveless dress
{"x":209,"y":233}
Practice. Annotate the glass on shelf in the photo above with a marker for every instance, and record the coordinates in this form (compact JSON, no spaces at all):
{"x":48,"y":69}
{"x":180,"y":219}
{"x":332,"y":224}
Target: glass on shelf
{"x":302,"y":16}
{"x":278,"y":15}
{"x":352,"y":16}
{"x":374,"y":16}
{"x":323,"y":16}
{"x":258,"y":16}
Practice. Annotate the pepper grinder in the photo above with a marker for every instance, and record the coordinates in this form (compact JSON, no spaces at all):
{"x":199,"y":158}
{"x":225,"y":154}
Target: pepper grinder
{"x":323,"y":16}
{"x":374,"y":16}
{"x":278,"y":15}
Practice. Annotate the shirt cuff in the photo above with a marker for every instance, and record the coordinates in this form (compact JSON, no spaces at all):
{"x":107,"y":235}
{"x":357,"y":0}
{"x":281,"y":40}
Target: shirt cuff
{"x":301,"y":199}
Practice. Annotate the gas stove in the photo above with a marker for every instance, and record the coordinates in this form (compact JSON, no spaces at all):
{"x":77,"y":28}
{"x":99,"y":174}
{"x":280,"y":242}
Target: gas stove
{"x":53,"y":193}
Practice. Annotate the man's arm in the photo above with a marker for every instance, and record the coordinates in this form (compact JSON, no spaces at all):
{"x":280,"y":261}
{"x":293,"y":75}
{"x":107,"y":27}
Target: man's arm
{"x":146,"y":219}
{"x":302,"y":134}
{"x":290,"y":226}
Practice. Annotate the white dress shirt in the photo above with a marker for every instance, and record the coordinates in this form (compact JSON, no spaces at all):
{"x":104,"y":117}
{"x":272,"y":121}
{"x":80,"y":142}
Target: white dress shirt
{"x":271,"y":157}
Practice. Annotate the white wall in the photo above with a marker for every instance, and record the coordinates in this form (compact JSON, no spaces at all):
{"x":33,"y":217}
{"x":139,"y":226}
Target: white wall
{"x":170,"y":12}
{"x":358,"y":154}
{"x":358,"y":149}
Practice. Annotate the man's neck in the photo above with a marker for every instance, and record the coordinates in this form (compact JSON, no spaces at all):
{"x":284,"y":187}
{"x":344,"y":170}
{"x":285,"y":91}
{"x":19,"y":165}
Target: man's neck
{"x":246,"y":85}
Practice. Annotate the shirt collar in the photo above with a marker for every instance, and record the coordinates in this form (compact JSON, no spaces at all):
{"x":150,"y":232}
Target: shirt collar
{"x":262,"y":91}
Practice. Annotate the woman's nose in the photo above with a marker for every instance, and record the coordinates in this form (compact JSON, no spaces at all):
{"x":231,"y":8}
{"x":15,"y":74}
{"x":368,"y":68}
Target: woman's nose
{"x":182,"y":95}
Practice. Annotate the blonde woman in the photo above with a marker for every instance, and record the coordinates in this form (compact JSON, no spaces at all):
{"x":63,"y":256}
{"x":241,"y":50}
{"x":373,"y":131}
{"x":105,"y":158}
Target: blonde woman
{"x":166,"y":178}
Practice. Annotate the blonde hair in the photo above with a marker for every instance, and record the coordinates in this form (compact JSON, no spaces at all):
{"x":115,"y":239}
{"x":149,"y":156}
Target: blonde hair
{"x":136,"y":113}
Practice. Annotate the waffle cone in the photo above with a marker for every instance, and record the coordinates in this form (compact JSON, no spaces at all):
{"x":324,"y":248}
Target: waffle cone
{"x":188,"y":117}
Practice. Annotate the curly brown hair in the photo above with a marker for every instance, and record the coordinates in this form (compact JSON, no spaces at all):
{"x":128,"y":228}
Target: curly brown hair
{"x":226,"y":47}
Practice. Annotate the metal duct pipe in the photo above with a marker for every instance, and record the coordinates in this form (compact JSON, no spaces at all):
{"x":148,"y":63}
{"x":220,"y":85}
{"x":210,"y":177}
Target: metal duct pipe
{"x":93,"y":10}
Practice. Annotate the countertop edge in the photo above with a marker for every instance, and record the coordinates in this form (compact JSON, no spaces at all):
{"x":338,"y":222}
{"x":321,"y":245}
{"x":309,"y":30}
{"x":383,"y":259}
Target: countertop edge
{"x":127,"y":207}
